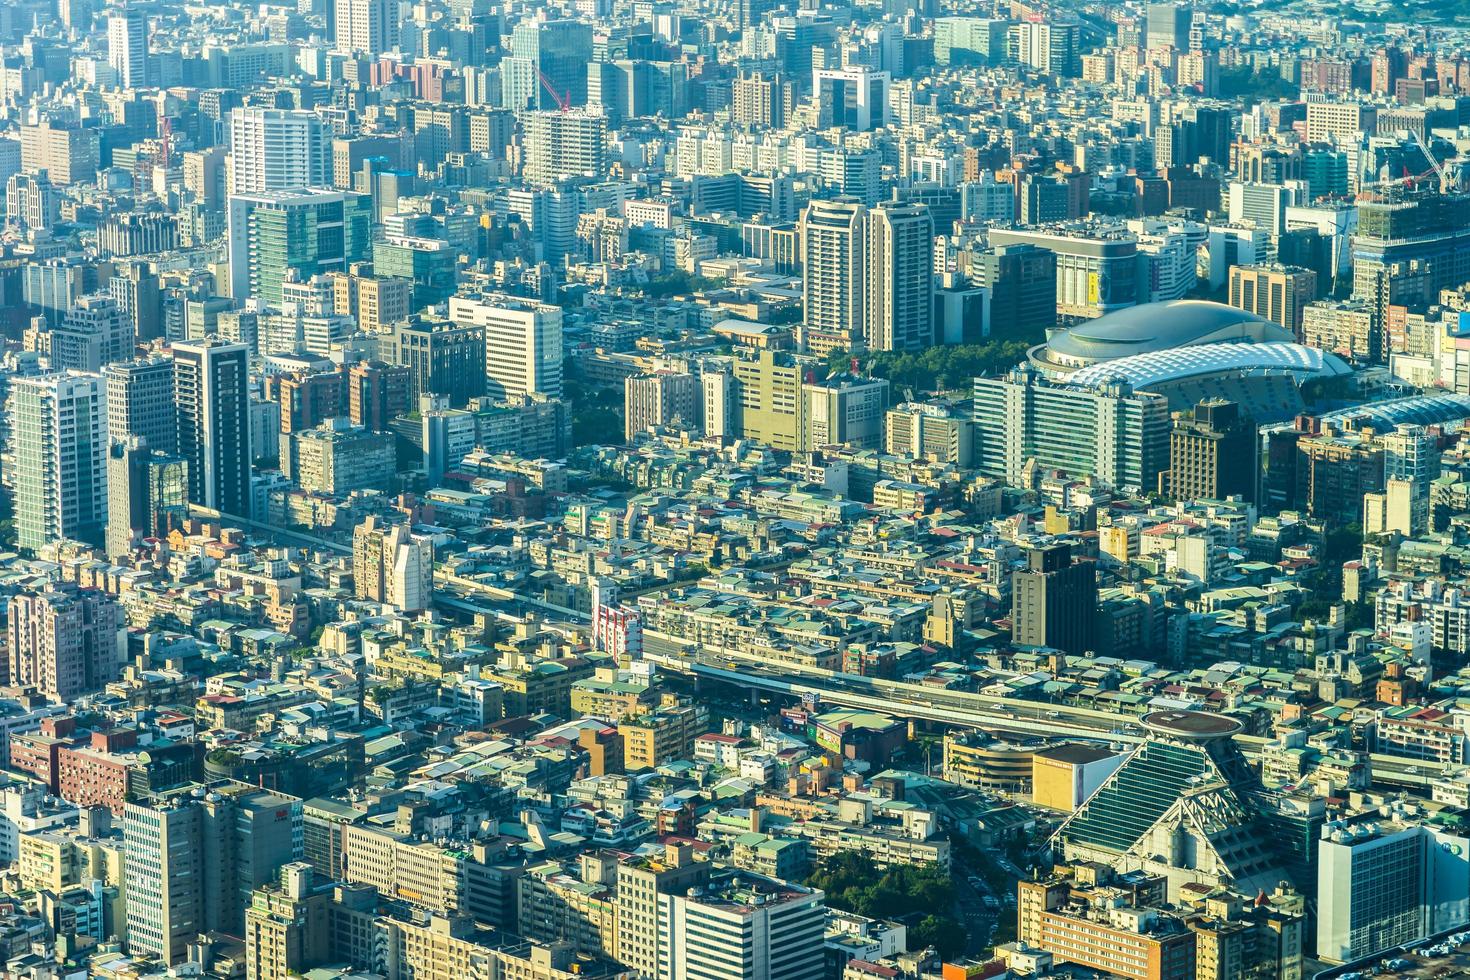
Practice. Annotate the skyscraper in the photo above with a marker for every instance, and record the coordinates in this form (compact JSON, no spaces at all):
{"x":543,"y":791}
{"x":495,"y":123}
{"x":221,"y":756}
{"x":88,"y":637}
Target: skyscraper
{"x":1054,"y":600}
{"x":277,"y":149}
{"x":559,"y":50}
{"x":127,"y":46}
{"x":523,"y":343}
{"x":1022,"y":280}
{"x":145,"y":491}
{"x":442,"y":358}
{"x":212,"y":396}
{"x":366,"y":26}
{"x":58,"y":431}
{"x":377,"y":393}
{"x":275,"y":233}
{"x":140,"y":402}
{"x":900,"y":277}
{"x":834,"y":274}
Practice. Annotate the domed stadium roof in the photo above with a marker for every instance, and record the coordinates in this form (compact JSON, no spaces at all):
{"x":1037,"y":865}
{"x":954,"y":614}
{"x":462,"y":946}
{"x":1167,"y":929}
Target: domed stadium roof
{"x":1152,"y":327}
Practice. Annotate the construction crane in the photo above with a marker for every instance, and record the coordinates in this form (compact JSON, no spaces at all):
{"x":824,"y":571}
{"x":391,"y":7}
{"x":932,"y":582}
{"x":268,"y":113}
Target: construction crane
{"x":563,"y":102}
{"x":1371,"y":191}
{"x":1435,"y":168}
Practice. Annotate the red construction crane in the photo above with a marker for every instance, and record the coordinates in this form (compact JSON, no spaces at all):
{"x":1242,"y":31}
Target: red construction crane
{"x":563,"y":102}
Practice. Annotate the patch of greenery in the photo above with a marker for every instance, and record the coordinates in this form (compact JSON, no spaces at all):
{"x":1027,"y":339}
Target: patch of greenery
{"x":921,"y":896}
{"x":943,"y":367}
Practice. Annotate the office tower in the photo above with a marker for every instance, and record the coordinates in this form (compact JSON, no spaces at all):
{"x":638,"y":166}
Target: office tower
{"x":969,"y":40}
{"x":277,"y":149}
{"x":1409,"y":230}
{"x":367,"y":27}
{"x":900,"y":277}
{"x":854,"y":98}
{"x":140,"y":402}
{"x":63,"y":641}
{"x":135,"y":288}
{"x":1097,"y":269}
{"x":147,"y":493}
{"x":377,"y":393}
{"x":1343,"y":123}
{"x":660,"y":399}
{"x":193,"y":861}
{"x":1022,"y":280}
{"x":558,"y":50}
{"x":1043,"y":200}
{"x":212,"y":397}
{"x":559,"y":145}
{"x":762,"y":400}
{"x":307,"y":398}
{"x":1263,"y":205}
{"x":32,"y":202}
{"x":834,"y":275}
{"x":1168,"y":26}
{"x":1382,"y":883}
{"x":274,"y":235}
{"x":392,"y":565}
{"x":1212,"y":454}
{"x":426,"y":264}
{"x":1054,"y":600}
{"x":843,"y":410}
{"x":742,"y":926}
{"x":523,"y":343}
{"x":59,"y":436}
{"x":929,"y":431}
{"x":127,"y":46}
{"x":1023,"y":421}
{"x":1277,"y":292}
{"x":442,"y":358}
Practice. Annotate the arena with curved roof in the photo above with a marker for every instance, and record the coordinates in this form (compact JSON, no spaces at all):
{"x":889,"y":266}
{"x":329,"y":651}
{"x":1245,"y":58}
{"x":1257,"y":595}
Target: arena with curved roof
{"x":1150,"y":328}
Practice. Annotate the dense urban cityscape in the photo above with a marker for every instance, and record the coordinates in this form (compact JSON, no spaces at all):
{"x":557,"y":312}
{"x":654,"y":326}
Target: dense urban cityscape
{"x":734,"y":489}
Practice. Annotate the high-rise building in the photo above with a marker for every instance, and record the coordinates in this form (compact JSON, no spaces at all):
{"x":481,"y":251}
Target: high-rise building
{"x":427,"y":265}
{"x":900,"y":278}
{"x":135,"y":288}
{"x":1022,"y":422}
{"x":338,"y":457}
{"x":523,"y":343}
{"x":366,"y":26}
{"x":140,"y":402}
{"x":558,"y":51}
{"x":63,"y":641}
{"x":843,"y":410}
{"x":1050,"y":46}
{"x":660,"y":399}
{"x":834,"y":274}
{"x":1097,"y":268}
{"x":392,"y":565}
{"x":854,"y":97}
{"x":929,"y":431}
{"x":32,"y":202}
{"x":742,"y":926}
{"x":147,"y":493}
{"x":95,"y":332}
{"x":127,"y":45}
{"x":1168,"y":26}
{"x":641,"y":888}
{"x":212,"y":397}
{"x":68,"y":154}
{"x":564,"y":144}
{"x":442,"y":358}
{"x":377,"y":393}
{"x":1383,"y":884}
{"x":1212,"y":454}
{"x":274,"y":235}
{"x":58,"y":431}
{"x":1054,"y":600}
{"x":1280,"y":293}
{"x":193,"y":861}
{"x":277,"y":149}
{"x":1022,"y":280}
